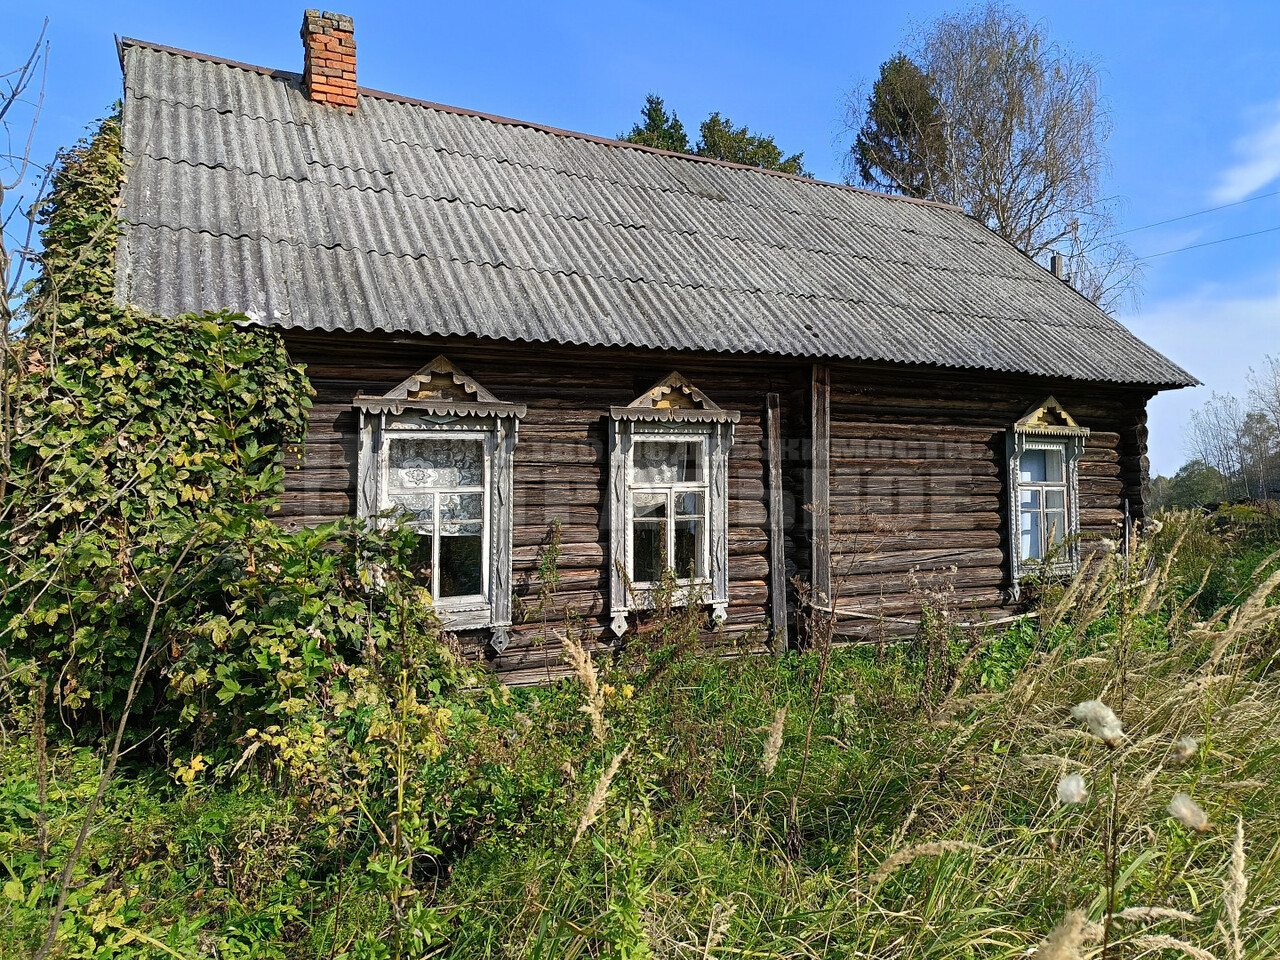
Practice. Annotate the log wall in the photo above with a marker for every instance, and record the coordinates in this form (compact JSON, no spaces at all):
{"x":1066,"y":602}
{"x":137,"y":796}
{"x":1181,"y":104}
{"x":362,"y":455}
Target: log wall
{"x":916,"y":466}
{"x":919,"y":484}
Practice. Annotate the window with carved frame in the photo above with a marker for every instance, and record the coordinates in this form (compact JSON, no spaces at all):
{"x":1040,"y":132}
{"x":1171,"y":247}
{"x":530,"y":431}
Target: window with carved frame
{"x":669,"y":453}
{"x":437,"y":450}
{"x":1044,"y":449}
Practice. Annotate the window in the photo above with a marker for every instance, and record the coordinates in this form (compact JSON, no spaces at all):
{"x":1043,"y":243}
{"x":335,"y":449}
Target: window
{"x":668,"y":508}
{"x":1044,"y":448}
{"x":439,"y":484}
{"x":1042,"y":500}
{"x":437,"y":449}
{"x":669,"y":455}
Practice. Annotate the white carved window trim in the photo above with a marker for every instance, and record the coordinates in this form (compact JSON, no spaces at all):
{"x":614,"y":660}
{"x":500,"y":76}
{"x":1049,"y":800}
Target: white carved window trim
{"x":672,"y":410}
{"x":440,"y":402}
{"x":1046,"y":426}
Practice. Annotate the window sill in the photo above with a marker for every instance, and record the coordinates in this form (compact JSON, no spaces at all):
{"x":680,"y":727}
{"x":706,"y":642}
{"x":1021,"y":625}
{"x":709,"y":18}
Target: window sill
{"x":687,"y":593}
{"x":464,"y":614}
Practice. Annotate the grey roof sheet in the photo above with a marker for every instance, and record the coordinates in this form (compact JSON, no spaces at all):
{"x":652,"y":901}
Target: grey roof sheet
{"x":416,"y":218}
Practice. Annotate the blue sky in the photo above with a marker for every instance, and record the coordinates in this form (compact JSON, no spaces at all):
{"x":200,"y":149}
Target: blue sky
{"x":1193,"y":90}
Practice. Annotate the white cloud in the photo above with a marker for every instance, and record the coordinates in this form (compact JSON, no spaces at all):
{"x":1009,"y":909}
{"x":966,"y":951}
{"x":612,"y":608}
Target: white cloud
{"x":1217,"y":338}
{"x":1259,"y":159}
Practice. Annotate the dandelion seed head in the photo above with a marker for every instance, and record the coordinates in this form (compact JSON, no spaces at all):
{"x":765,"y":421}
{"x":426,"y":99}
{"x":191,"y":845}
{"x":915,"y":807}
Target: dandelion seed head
{"x":1101,"y":719}
{"x":1187,"y":812}
{"x":1072,"y":789}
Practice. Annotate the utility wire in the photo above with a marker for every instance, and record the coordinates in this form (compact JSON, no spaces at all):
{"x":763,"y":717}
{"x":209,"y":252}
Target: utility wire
{"x":1210,"y":243}
{"x":1198,"y":213}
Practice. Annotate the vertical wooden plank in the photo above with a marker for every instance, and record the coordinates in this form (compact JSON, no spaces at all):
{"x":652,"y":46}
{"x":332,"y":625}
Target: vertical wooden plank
{"x":777,"y":545}
{"x":502,"y":479}
{"x":820,"y":483}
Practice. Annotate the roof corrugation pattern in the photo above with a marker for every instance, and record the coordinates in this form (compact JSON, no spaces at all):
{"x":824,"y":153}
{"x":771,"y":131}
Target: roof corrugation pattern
{"x":409,"y":218}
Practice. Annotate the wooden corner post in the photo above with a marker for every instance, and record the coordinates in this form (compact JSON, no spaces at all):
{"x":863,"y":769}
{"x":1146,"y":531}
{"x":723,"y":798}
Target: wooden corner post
{"x":777,"y":530}
{"x":820,"y":485}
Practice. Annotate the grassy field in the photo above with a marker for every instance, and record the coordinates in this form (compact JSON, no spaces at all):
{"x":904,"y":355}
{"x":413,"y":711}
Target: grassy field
{"x":907,"y":800}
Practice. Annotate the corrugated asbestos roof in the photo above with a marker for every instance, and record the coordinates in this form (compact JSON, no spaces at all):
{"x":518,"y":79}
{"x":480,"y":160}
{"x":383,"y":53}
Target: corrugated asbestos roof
{"x":409,"y":217}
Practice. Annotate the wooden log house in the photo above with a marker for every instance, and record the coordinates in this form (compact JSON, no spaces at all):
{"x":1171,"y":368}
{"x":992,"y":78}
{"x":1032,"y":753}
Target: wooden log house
{"x":748,"y":377}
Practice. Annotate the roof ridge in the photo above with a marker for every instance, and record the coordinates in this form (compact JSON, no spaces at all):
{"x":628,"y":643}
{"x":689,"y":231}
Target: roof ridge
{"x":123,"y":42}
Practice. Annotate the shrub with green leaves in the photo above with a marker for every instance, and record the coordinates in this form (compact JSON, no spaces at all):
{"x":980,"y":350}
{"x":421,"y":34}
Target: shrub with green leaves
{"x":145,"y":462}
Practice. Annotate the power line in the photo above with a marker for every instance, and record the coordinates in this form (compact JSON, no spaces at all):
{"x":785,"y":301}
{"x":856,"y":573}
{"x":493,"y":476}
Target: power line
{"x":1198,"y":213}
{"x":1210,"y":243}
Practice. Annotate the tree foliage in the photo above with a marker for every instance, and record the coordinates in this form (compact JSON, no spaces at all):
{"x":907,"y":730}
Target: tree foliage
{"x":659,"y":129}
{"x":1239,"y":437}
{"x":1011,"y":129}
{"x":1194,"y":485}
{"x":721,"y":140}
{"x":718,"y":139}
{"x":901,"y":147}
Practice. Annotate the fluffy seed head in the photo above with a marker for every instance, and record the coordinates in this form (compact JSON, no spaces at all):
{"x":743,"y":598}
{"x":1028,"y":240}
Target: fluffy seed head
{"x":1072,"y":789}
{"x":595,"y":803}
{"x":1187,"y":812}
{"x":1065,"y":940}
{"x":1186,"y":750}
{"x":1102,"y":721}
{"x":773,"y":743}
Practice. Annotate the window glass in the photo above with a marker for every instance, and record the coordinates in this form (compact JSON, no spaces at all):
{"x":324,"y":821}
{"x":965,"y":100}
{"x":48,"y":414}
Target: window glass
{"x":668,"y":519}
{"x":428,"y":462}
{"x":420,"y":508}
{"x":688,"y":548}
{"x":1042,"y":501}
{"x":668,"y":461}
{"x":1031,"y":548}
{"x":460,"y":561}
{"x":439,"y":483}
{"x":1055,"y":522}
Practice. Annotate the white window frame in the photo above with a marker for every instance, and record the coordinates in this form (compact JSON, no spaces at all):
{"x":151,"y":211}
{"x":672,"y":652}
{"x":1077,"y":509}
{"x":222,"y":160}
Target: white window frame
{"x":673,"y":410}
{"x":441,"y":402}
{"x":466,"y":602}
{"x":1047,"y":426}
{"x":690,"y":585}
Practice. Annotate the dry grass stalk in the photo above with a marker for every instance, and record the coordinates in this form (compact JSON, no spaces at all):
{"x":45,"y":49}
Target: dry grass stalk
{"x":903,"y":857}
{"x":1153,"y":942}
{"x":718,"y":929}
{"x":1151,"y":596}
{"x":1155,"y":914}
{"x":1235,"y":889}
{"x":1251,"y":616}
{"x":585,"y":669}
{"x":596,"y":802}
{"x":1065,"y":940}
{"x":773,"y":742}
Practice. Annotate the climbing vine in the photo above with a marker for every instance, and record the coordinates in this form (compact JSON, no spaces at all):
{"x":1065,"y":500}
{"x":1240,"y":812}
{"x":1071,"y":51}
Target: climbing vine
{"x":146,"y":467}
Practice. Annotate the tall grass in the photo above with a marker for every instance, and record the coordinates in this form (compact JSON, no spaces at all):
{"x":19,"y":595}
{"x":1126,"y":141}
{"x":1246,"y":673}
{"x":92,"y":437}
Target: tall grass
{"x":1038,"y":798}
{"x":940,"y":831}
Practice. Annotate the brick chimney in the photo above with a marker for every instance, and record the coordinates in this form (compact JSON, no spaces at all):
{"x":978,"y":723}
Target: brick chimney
{"x":329,"y":51}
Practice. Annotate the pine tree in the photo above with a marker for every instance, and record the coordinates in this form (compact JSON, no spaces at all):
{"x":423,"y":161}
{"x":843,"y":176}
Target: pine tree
{"x":660,"y":129}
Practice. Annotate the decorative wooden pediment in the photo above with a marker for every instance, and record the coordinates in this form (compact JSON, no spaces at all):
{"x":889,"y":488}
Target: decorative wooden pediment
{"x":440,"y":388}
{"x":1050,"y":418}
{"x":675,"y":398}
